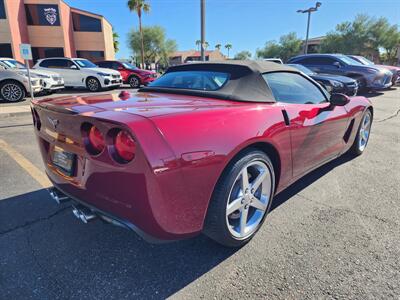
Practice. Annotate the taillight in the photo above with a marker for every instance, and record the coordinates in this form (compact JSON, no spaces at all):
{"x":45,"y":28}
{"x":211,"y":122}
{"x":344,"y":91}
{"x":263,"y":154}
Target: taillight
{"x":125,"y":146}
{"x":96,"y":140}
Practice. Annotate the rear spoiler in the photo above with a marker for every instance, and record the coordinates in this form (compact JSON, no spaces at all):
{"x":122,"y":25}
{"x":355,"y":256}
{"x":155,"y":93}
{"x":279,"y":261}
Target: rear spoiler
{"x":56,"y":108}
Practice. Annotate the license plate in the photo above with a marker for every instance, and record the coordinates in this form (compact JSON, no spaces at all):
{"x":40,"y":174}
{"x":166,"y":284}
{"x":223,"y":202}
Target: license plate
{"x":63,"y":160}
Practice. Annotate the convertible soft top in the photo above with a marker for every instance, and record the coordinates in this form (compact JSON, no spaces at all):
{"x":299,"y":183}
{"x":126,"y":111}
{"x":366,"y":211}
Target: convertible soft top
{"x":245,"y":83}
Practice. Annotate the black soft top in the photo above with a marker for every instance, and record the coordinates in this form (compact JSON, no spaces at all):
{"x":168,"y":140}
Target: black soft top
{"x":245,"y":83}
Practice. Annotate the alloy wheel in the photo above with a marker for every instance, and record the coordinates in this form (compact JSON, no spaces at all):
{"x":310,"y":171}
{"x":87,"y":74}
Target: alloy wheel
{"x":364,"y":132}
{"x":93,"y":84}
{"x":248,"y":199}
{"x":11,"y":92}
{"x":134,"y":82}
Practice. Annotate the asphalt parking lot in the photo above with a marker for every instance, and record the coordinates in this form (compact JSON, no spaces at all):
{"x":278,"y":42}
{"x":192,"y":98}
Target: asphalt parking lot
{"x":332,"y":235}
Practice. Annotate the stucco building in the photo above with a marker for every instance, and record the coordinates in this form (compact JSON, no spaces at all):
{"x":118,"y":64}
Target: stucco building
{"x":53,"y":29}
{"x":180,"y":57}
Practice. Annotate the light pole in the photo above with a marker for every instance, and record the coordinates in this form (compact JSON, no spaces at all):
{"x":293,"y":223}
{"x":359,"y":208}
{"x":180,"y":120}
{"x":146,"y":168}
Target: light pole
{"x":309,"y":11}
{"x":203,"y":30}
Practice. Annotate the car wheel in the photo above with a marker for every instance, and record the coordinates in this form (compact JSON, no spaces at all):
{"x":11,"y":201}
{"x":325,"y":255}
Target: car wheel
{"x":12,"y":91}
{"x":241,"y":199}
{"x":134,"y":82}
{"x":363,"y":133}
{"x":93,"y":84}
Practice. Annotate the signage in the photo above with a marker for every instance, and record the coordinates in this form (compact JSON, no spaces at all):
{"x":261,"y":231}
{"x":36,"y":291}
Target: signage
{"x":51,"y":15}
{"x":26,"y":51}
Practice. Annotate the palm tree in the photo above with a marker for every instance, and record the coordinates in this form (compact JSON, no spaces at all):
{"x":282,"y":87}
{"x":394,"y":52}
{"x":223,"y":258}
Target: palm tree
{"x":218,"y":46}
{"x":139,"y":6}
{"x":228,"y":47}
{"x":115,"y":41}
{"x":198,"y":43}
{"x":206,"y":44}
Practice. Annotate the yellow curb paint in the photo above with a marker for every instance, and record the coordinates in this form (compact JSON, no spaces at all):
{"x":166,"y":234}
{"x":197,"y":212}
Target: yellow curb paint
{"x":36,"y":174}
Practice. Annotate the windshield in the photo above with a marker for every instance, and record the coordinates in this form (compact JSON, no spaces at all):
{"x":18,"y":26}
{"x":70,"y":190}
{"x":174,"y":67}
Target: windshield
{"x":365,"y":61}
{"x":13,"y":64}
{"x":129,"y":66}
{"x":84,"y":63}
{"x":349,"y":61}
{"x":193,"y":80}
{"x":303,"y":69}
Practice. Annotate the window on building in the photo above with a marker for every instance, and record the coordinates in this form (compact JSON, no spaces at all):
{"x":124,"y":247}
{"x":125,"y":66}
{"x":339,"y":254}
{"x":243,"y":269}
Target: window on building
{"x":2,"y":10}
{"x":86,"y":23}
{"x":91,"y":55}
{"x":5,"y":50}
{"x":42,"y":14}
{"x":40,"y":52}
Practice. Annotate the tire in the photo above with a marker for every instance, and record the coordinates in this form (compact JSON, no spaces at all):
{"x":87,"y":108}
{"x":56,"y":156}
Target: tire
{"x":363,"y":133}
{"x":134,"y":82}
{"x":12,"y":91}
{"x":223,"y":223}
{"x":93,"y":84}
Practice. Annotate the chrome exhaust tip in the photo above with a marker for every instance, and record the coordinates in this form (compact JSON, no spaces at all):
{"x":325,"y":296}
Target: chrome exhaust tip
{"x":83,"y":213}
{"x":58,"y":196}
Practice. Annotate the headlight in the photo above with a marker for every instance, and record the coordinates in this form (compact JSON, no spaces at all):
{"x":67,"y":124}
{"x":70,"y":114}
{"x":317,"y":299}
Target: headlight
{"x":42,"y":76}
{"x":103,"y":74}
{"x":24,"y":74}
{"x":336,"y":84}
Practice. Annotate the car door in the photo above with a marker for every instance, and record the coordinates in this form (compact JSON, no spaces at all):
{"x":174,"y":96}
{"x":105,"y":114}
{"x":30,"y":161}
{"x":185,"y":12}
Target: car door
{"x":66,"y":68}
{"x":316,"y":127}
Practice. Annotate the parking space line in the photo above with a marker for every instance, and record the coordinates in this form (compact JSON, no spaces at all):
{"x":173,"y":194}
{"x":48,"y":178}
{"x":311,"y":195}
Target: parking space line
{"x":36,"y":174}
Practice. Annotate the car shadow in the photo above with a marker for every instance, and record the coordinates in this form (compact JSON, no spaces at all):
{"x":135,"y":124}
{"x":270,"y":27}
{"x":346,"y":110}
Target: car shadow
{"x":309,"y":179}
{"x":100,"y":259}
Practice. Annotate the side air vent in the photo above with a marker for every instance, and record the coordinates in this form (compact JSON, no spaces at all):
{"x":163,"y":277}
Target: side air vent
{"x":348,"y":131}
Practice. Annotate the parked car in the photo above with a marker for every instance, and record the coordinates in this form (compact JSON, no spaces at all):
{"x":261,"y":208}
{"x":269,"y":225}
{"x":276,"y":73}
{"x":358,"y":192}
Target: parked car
{"x":79,"y":72}
{"x":130,"y":74}
{"x":204,"y":148}
{"x":333,"y":83}
{"x":14,"y":85}
{"x":395,"y":70}
{"x":368,"y":77}
{"x":275,"y":60}
{"x":51,"y":81}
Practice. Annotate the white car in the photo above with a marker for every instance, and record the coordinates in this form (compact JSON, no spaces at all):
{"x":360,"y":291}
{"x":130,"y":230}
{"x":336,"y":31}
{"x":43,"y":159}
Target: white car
{"x":51,"y":81}
{"x":14,"y":85}
{"x":79,"y":72}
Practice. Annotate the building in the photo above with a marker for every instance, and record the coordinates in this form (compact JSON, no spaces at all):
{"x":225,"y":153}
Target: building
{"x":180,"y":57}
{"x":53,"y":29}
{"x":313,"y":45}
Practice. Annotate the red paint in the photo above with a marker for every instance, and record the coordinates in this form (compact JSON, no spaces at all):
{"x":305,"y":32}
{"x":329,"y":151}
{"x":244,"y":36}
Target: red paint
{"x":183,"y":144}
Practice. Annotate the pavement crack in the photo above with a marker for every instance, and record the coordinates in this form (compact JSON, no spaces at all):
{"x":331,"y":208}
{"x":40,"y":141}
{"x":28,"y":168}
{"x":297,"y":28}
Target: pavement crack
{"x":30,"y":223}
{"x":349,"y":211}
{"x":390,"y":117}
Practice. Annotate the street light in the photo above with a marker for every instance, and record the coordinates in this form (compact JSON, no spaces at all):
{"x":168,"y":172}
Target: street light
{"x":203,"y":30}
{"x":309,"y":11}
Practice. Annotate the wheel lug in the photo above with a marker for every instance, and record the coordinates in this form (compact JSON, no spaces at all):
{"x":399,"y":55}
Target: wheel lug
{"x":246,"y":207}
{"x":252,"y":191}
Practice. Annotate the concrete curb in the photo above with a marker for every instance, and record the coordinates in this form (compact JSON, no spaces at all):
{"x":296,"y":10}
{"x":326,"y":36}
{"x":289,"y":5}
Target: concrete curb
{"x":12,"y":111}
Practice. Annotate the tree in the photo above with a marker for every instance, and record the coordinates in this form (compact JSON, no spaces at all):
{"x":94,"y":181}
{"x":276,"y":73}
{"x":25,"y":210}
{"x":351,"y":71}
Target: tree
{"x":228,"y":47}
{"x":289,"y":45}
{"x":218,"y":47}
{"x":368,"y":35}
{"x":206,"y":44}
{"x":115,"y":41}
{"x":156,"y":48}
{"x":139,"y":6}
{"x":198,"y":43}
{"x":243,"y":55}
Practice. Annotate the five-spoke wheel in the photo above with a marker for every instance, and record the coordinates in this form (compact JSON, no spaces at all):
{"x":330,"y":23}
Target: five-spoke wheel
{"x":363,"y":133}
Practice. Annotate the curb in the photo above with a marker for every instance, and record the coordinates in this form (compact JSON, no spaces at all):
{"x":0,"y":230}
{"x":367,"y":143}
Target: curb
{"x":12,"y":111}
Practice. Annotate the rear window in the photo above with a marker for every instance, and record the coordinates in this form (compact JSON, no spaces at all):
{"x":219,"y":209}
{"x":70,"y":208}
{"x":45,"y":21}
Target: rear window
{"x":192,"y":80}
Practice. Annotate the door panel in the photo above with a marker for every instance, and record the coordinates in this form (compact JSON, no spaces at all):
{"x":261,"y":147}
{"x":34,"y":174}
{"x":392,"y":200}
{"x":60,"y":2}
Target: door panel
{"x":317,"y":132}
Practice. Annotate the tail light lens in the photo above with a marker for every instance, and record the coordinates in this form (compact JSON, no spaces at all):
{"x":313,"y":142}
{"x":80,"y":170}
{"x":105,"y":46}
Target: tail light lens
{"x":96,"y":140}
{"x":125,"y":146}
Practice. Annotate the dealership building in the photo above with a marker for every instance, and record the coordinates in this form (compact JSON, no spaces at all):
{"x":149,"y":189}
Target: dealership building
{"x":53,"y":29}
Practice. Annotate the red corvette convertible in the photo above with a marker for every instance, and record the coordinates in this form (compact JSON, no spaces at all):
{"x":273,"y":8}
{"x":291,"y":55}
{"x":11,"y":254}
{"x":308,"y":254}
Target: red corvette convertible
{"x":202,"y":149}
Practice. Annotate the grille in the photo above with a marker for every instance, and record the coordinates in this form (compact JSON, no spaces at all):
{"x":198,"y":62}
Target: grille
{"x":387,"y":79}
{"x":115,"y":76}
{"x":56,"y":78}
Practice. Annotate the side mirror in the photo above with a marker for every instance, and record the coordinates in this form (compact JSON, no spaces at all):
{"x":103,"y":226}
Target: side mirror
{"x":120,"y":68}
{"x":73,"y":67}
{"x":337,"y":64}
{"x":339,"y":99}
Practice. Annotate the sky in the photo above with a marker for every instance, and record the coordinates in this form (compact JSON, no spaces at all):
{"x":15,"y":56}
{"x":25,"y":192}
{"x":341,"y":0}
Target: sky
{"x":246,"y":24}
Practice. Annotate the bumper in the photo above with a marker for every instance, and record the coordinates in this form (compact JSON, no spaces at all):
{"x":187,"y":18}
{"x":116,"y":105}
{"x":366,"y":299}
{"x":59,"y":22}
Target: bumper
{"x":147,"y":80}
{"x":381,"y":83}
{"x":111,"y":82}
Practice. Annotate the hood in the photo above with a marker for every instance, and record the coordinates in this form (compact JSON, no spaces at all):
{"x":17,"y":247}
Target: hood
{"x":103,"y":70}
{"x":340,"y":78}
{"x":44,"y":72}
{"x":144,"y":72}
{"x":144,"y":104}
{"x":390,"y":68}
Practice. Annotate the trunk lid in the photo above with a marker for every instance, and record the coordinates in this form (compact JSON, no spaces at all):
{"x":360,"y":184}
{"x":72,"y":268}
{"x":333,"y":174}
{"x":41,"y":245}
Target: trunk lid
{"x":144,"y":104}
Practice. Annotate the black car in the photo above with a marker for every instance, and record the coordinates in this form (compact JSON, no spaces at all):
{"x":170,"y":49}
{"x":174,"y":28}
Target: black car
{"x":333,"y":83}
{"x":368,"y":77}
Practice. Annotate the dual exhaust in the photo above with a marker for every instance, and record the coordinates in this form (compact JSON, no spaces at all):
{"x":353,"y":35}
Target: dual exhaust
{"x":81,"y":212}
